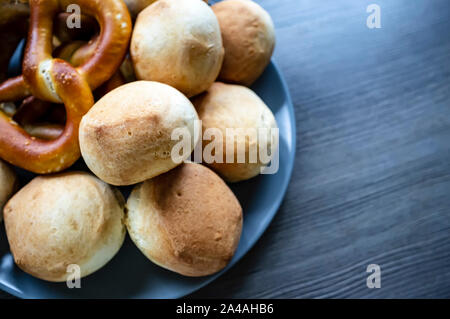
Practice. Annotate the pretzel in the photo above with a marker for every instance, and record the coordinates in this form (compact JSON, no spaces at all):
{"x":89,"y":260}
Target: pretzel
{"x":45,"y":131}
{"x":56,"y":81}
{"x":115,"y":25}
{"x":33,"y":110}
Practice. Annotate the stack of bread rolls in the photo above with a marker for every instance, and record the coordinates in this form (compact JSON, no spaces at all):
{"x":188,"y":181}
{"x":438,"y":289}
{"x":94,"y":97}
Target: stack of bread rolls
{"x":193,"y":63}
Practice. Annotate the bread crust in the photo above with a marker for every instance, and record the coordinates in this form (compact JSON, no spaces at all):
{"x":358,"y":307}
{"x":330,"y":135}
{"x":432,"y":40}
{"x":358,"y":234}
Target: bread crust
{"x":178,"y":43}
{"x":248,"y":37}
{"x":226,"y":106}
{"x":65,"y":219}
{"x":186,"y":220}
{"x":126,"y":137}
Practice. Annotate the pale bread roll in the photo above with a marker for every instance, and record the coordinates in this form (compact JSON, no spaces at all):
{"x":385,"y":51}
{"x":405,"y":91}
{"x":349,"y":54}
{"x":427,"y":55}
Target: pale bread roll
{"x":67,"y":219}
{"x":178,"y":43}
{"x":248,"y":37}
{"x":126,"y":137}
{"x":187,"y":220}
{"x":228,"y":106}
{"x":8,"y":184}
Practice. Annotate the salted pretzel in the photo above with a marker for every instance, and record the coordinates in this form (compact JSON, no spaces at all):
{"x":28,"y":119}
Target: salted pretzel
{"x":56,"y":81}
{"x":72,"y":46}
{"x":33,"y":113}
{"x":44,"y":119}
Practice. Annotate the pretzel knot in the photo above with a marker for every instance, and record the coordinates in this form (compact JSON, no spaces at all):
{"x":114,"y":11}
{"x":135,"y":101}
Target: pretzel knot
{"x":55,"y":80}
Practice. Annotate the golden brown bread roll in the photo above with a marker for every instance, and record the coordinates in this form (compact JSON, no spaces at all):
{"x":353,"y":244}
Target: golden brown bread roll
{"x":61,"y":220}
{"x":228,"y":106}
{"x":8,"y":183}
{"x":126,"y":137}
{"x":248,"y":38}
{"x":186,"y":220}
{"x":178,"y":43}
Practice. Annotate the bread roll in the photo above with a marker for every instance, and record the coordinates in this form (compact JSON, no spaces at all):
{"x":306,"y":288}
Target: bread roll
{"x":248,"y":37}
{"x":61,"y":220}
{"x":178,"y":43}
{"x":8,"y":183}
{"x":187,"y":220}
{"x":126,"y":137}
{"x":228,"y":106}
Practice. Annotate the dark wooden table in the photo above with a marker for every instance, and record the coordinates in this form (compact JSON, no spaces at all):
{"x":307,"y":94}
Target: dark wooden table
{"x":371,"y":183}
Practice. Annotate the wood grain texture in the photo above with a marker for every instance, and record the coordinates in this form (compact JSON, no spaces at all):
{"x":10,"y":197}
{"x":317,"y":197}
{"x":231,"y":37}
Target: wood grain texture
{"x":371,"y":182}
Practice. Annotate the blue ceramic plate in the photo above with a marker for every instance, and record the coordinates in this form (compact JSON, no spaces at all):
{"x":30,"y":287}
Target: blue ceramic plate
{"x":130,"y":274}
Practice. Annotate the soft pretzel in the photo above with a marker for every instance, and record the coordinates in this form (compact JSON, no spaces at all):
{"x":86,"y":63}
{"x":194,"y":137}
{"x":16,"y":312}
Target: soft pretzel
{"x":33,"y":110}
{"x":40,"y":156}
{"x":106,"y":51}
{"x":45,"y":131}
{"x":55,"y":80}
{"x":115,"y":25}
